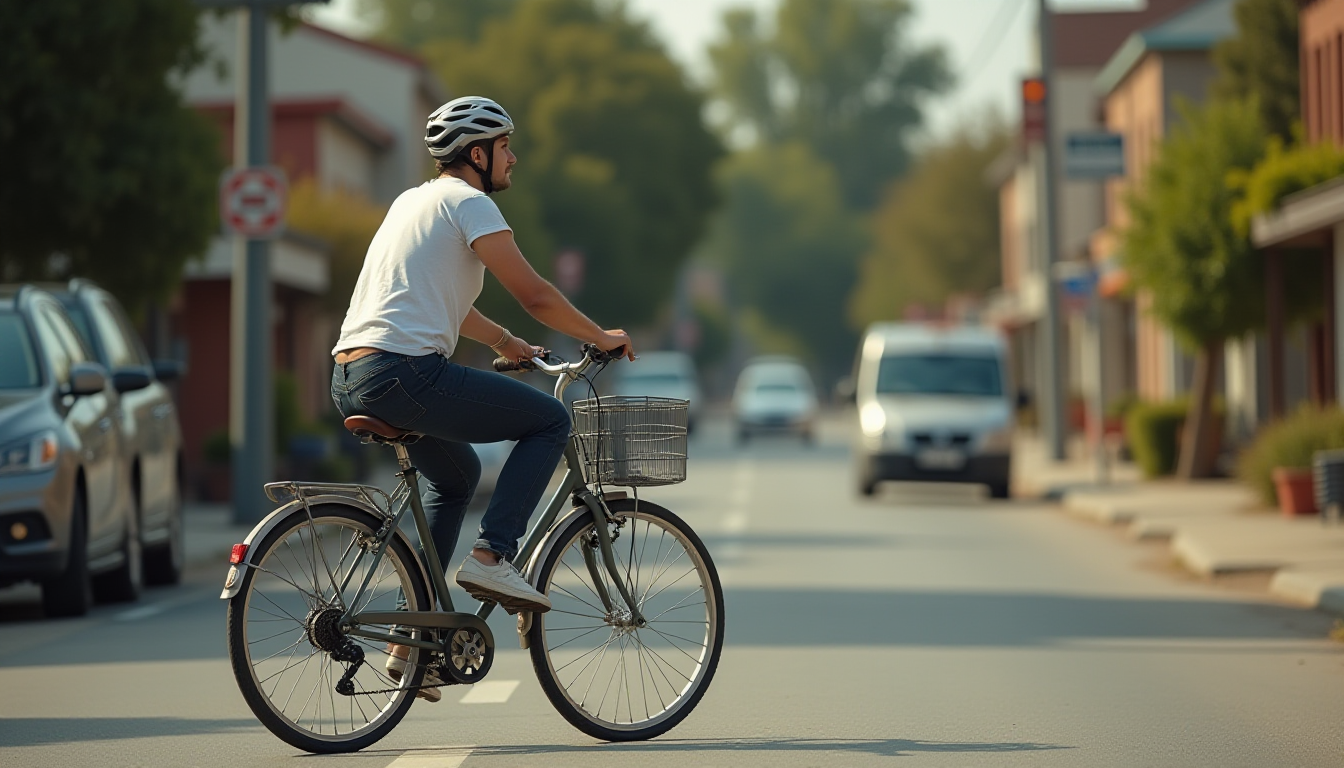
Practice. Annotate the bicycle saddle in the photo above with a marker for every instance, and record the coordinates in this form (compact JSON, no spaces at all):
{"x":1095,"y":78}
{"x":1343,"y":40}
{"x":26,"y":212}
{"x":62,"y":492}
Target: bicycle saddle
{"x":368,"y":428}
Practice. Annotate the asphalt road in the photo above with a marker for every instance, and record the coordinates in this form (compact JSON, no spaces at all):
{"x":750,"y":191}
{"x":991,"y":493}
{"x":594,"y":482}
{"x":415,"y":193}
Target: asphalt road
{"x":937,"y":628}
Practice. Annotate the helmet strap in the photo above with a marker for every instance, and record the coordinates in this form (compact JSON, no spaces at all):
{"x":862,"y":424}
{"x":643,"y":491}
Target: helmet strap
{"x":488,"y":174}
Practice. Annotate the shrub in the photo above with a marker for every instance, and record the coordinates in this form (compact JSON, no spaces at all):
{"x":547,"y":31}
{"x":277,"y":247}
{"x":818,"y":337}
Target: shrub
{"x":1153,"y":433}
{"x":217,"y":449}
{"x":1290,"y":443}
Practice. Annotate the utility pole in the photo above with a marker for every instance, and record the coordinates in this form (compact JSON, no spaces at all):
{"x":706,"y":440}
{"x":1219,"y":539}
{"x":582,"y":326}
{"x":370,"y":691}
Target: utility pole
{"x":251,"y":406}
{"x":1052,"y":379}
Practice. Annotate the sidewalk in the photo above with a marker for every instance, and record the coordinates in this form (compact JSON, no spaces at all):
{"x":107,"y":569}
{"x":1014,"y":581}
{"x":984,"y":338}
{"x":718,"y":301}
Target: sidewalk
{"x":210,"y":534}
{"x":1214,"y":527}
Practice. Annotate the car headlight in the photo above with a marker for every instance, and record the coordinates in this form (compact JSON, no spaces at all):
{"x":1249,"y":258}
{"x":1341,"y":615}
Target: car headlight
{"x":872,"y":419}
{"x":31,"y":454}
{"x":998,"y":440}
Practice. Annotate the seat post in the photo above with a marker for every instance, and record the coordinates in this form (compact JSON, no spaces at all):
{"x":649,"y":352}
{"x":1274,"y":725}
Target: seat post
{"x":403,"y":457}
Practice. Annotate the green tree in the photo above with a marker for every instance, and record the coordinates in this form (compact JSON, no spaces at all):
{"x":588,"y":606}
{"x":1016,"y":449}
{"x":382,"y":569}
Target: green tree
{"x":789,"y":249}
{"x":839,"y":75}
{"x":1205,"y":278}
{"x":106,"y":173}
{"x":413,"y":23}
{"x":936,"y":232}
{"x":614,"y":159}
{"x":346,"y":221}
{"x":1261,"y":62}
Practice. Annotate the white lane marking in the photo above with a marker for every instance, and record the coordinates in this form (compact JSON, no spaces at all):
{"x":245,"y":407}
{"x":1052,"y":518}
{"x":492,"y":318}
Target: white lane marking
{"x":434,"y":757}
{"x":154,"y":609}
{"x":143,"y":612}
{"x":490,"y":692}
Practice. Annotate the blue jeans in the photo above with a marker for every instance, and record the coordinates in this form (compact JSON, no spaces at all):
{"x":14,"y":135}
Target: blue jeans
{"x":455,"y":406}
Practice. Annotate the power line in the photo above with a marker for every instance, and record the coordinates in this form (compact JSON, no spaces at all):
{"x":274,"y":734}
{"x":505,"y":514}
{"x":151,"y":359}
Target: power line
{"x":1003,"y":17}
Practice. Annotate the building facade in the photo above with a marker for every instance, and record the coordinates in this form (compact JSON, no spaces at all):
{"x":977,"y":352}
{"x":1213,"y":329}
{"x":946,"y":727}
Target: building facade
{"x":345,"y":114}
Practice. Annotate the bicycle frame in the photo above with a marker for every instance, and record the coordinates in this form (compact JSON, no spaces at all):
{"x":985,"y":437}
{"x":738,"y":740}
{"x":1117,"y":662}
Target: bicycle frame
{"x":407,"y":496}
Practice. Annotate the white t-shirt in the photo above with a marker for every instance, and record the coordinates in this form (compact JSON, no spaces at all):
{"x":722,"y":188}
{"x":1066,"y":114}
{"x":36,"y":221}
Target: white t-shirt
{"x":420,"y":276}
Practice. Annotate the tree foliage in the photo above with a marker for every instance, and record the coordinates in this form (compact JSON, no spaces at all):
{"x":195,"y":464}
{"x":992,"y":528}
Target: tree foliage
{"x":413,"y":23}
{"x":839,"y":75}
{"x":1261,"y":62}
{"x":347,"y":223}
{"x":936,"y":232}
{"x":1205,"y":277}
{"x":106,"y":173}
{"x":789,"y":247}
{"x":614,"y":159}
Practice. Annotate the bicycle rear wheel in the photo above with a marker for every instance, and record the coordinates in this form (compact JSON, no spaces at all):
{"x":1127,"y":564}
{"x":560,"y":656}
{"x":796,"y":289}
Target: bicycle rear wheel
{"x":611,"y":679}
{"x":285,"y":643}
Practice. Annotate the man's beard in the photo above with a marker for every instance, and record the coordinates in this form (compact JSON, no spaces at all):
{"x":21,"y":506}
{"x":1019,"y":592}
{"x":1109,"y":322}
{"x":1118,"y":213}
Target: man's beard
{"x":503,"y":182}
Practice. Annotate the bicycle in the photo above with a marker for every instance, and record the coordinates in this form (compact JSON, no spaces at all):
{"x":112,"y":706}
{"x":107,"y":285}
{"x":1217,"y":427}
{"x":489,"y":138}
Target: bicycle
{"x":326,"y":580}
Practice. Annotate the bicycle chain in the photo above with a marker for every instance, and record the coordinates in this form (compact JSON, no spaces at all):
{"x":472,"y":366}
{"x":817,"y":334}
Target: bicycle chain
{"x":395,"y":690}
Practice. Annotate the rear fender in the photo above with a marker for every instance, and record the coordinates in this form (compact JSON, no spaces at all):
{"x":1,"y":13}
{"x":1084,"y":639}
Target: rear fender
{"x":234,"y":582}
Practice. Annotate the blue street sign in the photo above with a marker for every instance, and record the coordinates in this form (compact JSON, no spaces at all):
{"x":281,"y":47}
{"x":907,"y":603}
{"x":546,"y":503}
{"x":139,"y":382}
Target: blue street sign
{"x":1078,"y":285}
{"x":1094,"y":155}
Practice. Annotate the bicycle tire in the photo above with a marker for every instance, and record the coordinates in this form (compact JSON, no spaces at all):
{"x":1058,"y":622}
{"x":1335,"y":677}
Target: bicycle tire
{"x":548,"y":664}
{"x":281,"y":721}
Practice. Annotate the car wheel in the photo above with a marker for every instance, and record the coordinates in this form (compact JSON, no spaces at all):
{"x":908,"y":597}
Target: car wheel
{"x":71,"y":594}
{"x":164,"y":562}
{"x":123,"y":584}
{"x":1000,"y":490}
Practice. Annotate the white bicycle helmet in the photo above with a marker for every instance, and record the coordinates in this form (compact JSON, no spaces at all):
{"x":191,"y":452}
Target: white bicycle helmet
{"x":464,"y":121}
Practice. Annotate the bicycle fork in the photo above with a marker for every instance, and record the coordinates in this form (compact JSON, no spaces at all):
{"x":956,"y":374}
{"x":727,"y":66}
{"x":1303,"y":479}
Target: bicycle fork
{"x":598,"y":509}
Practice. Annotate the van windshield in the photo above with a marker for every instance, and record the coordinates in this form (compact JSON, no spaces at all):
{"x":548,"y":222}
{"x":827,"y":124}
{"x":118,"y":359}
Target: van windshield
{"x":939,"y":375}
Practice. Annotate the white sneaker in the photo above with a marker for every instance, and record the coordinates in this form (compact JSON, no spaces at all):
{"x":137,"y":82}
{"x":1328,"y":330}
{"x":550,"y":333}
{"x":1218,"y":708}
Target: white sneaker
{"x":500,"y":584}
{"x":396,"y":669}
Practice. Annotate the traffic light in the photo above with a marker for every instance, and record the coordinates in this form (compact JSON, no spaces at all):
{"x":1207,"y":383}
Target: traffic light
{"x":1033,"y":109}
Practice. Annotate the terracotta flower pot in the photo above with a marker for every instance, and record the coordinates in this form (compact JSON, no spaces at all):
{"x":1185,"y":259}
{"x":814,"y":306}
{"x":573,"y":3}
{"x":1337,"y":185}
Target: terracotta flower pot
{"x":1294,"y":489}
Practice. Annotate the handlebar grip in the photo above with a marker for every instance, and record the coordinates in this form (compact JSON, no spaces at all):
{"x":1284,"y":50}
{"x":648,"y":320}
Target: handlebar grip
{"x":504,"y":365}
{"x":597,"y":355}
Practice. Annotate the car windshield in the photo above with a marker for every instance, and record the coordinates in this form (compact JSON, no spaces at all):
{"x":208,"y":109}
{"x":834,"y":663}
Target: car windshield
{"x":16,"y":349}
{"x":80,"y":319}
{"x":939,"y":375}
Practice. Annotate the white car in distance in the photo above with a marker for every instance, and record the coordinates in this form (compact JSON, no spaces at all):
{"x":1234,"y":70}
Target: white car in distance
{"x":662,"y":374}
{"x":774,"y":395}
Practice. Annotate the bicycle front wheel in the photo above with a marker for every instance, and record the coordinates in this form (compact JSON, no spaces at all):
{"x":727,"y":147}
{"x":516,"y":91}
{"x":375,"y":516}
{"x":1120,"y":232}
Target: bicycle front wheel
{"x":609,"y":678}
{"x":285,"y":641}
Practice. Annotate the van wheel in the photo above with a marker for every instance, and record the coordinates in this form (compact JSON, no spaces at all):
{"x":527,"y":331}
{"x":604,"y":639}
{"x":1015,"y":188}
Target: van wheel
{"x":1000,"y":490}
{"x":71,"y":594}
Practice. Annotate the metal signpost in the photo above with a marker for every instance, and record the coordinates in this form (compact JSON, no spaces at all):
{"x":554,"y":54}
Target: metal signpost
{"x":1037,"y":95}
{"x":251,"y":425}
{"x":1092,"y":156}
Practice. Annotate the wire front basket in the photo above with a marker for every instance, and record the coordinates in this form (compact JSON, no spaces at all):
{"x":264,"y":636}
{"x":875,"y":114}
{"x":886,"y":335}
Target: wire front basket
{"x":632,"y":440}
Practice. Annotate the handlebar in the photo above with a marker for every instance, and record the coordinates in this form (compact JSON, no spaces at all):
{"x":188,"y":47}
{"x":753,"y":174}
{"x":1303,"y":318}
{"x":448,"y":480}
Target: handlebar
{"x":591,"y":354}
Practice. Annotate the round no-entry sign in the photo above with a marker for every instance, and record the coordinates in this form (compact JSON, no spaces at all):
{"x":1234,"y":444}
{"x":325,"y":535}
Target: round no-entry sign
{"x":252,"y":201}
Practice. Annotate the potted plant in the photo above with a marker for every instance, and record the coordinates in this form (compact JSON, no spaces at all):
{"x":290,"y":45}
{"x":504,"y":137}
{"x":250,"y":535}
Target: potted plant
{"x":1277,"y":465}
{"x":217,"y":479}
{"x":1293,"y":490}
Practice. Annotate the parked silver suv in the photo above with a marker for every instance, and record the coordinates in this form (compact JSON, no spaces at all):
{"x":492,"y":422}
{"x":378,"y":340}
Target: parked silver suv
{"x":149,"y":423}
{"x":66,"y":518}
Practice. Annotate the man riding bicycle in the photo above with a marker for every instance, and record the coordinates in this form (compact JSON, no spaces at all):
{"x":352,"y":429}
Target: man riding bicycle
{"x":411,"y":305}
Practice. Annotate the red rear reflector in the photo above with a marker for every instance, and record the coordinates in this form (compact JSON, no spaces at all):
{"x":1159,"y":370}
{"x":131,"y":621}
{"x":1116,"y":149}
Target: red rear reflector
{"x":239,"y":552}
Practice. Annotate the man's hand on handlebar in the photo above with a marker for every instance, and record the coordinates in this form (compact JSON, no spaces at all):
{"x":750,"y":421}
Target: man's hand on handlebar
{"x":615,"y":339}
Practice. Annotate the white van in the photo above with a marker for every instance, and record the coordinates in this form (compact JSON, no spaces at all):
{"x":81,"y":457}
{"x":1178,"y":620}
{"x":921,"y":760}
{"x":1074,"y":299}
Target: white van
{"x":933,"y":406}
